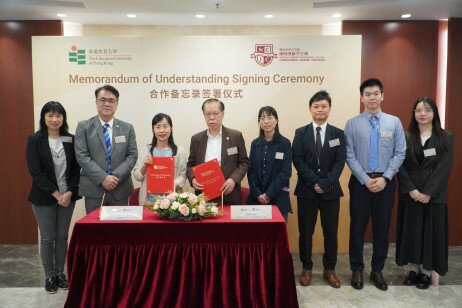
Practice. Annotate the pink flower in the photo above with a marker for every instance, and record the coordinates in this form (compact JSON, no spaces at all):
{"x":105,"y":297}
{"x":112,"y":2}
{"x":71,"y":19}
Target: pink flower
{"x":192,"y":199}
{"x":172,"y":196}
{"x":201,"y":209}
{"x":165,"y":204}
{"x":184,"y":209}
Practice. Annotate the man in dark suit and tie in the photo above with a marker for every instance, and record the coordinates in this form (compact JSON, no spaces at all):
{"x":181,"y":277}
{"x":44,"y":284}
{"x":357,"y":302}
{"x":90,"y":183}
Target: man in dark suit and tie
{"x":319,"y":153}
{"x":105,"y":148}
{"x":226,"y":145}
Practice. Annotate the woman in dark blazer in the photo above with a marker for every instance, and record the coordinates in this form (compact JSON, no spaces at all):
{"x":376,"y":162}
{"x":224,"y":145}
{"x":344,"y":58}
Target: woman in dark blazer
{"x":55,"y":179}
{"x":270,"y":164}
{"x":422,"y":225}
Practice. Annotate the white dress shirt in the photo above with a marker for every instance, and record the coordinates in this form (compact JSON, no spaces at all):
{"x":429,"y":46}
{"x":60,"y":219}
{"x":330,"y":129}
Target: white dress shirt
{"x":213,"y":146}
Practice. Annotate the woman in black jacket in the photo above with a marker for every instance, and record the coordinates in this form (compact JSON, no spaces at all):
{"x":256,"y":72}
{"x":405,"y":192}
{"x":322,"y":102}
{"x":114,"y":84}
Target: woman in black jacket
{"x":422,"y":225}
{"x":55,"y":182}
{"x":270,"y":165}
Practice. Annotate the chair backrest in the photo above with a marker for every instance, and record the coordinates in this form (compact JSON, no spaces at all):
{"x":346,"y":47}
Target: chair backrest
{"x":133,"y":199}
{"x":245,"y":191}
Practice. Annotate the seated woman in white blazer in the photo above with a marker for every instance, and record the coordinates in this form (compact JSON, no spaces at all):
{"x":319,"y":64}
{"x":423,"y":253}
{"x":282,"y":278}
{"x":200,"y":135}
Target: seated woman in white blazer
{"x":162,"y":145}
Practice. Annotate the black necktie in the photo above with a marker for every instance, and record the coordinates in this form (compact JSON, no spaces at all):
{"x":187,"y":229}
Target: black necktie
{"x":318,"y":142}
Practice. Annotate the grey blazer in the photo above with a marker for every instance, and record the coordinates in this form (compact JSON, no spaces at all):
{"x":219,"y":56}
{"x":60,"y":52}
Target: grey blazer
{"x":91,"y":153}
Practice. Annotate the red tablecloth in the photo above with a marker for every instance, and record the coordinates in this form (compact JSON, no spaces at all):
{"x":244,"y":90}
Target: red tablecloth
{"x":215,"y":262}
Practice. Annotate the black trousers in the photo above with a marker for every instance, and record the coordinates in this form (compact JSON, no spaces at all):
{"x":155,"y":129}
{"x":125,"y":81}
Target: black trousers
{"x":376,"y":206}
{"x":307,"y":216}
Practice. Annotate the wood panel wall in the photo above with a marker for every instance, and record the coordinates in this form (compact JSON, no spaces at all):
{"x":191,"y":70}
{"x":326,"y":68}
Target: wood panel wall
{"x":17,"y":223}
{"x":404,"y":56}
{"x":454,"y":125}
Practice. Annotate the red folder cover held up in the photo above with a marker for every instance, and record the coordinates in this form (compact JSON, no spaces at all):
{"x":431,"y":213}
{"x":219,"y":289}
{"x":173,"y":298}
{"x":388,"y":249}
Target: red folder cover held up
{"x":210,"y":175}
{"x":160,"y":176}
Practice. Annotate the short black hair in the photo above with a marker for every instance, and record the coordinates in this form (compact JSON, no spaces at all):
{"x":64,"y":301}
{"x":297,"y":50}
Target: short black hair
{"x":109,"y":88}
{"x":320,"y":96}
{"x":371,"y":82}
{"x":213,"y":100}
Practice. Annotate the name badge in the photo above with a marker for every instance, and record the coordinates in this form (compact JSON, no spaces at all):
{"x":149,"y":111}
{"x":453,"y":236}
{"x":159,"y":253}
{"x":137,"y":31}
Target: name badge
{"x":279,"y":155}
{"x":232,"y":151}
{"x":334,"y":143}
{"x":251,"y":212}
{"x":67,"y":139}
{"x":120,"y":139}
{"x":109,"y":212}
{"x":429,"y":152}
{"x":386,"y":134}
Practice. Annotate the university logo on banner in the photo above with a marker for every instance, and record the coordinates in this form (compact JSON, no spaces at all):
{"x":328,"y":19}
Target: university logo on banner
{"x":77,"y":55}
{"x":263,"y":54}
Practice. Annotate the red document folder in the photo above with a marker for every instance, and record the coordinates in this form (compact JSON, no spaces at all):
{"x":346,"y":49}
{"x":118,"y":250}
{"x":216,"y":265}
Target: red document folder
{"x":160,"y":176}
{"x":210,"y":175}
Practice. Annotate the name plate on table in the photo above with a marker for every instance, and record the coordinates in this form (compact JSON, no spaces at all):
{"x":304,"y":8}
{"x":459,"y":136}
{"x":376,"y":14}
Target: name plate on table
{"x":251,"y":212}
{"x":113,"y":212}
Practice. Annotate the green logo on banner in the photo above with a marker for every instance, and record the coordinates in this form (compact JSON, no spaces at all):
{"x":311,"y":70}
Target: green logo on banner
{"x":77,"y":55}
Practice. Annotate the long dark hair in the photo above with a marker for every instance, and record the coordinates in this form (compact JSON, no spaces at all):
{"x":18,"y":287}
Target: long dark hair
{"x":269,"y":111}
{"x":157,"y":118}
{"x":437,"y":131}
{"x":54,"y":107}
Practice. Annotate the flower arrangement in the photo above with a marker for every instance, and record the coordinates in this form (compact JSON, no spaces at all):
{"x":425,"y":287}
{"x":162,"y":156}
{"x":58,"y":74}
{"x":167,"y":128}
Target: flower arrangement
{"x":184,"y":206}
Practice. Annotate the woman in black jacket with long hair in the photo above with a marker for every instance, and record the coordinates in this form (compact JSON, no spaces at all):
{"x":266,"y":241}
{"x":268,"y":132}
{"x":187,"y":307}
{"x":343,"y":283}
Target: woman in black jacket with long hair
{"x":422,"y":225}
{"x":55,"y":184}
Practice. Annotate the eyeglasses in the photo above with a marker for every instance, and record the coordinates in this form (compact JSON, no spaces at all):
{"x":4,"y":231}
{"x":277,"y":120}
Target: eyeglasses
{"x":214,"y":114}
{"x":423,"y":110}
{"x":104,"y":100}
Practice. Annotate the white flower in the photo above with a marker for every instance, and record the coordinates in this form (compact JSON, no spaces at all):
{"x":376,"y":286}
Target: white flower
{"x":175,"y":205}
{"x":184,"y":195}
{"x":156,"y":206}
{"x":194,"y":211}
{"x":214,"y":210}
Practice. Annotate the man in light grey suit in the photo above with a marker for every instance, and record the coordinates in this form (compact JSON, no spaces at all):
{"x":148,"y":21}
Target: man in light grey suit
{"x":106,"y":150}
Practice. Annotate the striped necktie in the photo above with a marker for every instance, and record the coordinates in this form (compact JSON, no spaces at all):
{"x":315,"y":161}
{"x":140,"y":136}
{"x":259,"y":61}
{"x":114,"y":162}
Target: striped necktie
{"x":374,"y":146}
{"x":107,"y":138}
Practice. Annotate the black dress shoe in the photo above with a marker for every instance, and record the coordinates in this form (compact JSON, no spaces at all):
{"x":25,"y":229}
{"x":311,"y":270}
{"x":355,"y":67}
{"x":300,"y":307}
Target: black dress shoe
{"x":424,"y":282}
{"x":50,"y":285}
{"x":411,"y":278}
{"x":357,"y":280}
{"x":379,"y":281}
{"x":62,"y":281}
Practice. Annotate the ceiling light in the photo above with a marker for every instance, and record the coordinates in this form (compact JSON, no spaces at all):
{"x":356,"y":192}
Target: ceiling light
{"x":61,"y":15}
{"x":406,"y":15}
{"x":131,"y":15}
{"x":337,"y":15}
{"x":200,"y":16}
{"x":269,"y":16}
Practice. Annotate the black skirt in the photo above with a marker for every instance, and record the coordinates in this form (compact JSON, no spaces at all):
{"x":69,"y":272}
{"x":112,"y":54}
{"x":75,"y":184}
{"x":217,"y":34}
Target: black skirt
{"x":422,"y":235}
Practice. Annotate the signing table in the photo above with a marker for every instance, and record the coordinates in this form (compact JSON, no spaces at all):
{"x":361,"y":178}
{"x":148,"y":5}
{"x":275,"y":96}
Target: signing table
{"x":216,"y":262}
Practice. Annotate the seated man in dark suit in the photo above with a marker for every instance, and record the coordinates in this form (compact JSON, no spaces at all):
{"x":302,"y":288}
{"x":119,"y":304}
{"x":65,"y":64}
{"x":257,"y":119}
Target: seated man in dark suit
{"x":319,"y":154}
{"x":225,"y":144}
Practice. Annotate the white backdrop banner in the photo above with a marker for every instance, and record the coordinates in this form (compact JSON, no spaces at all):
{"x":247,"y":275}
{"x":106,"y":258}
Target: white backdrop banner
{"x":174,"y":75}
